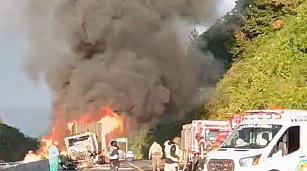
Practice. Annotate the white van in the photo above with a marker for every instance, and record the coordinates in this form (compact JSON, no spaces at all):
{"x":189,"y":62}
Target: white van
{"x":265,"y":140}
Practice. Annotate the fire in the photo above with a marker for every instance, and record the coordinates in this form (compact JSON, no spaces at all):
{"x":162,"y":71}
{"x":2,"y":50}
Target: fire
{"x":111,"y":123}
{"x":112,"y":126}
{"x":43,"y":151}
{"x":31,"y":157}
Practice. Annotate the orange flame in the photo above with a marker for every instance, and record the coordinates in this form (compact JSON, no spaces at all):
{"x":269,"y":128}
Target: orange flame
{"x":31,"y":157}
{"x":112,"y":126}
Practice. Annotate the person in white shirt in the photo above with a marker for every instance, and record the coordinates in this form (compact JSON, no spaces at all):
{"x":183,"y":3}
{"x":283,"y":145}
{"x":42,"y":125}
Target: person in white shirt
{"x":156,"y":153}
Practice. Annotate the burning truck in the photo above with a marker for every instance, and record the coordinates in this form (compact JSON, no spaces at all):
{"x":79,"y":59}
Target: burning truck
{"x":86,"y":142}
{"x":95,"y":133}
{"x":83,"y":139}
{"x":81,"y":150}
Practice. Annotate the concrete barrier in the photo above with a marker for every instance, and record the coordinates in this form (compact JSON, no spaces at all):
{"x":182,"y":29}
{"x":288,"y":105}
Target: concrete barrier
{"x":41,"y":165}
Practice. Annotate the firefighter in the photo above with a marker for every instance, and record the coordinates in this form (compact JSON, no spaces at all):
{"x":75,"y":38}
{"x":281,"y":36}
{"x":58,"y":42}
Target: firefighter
{"x":54,"y":157}
{"x":114,"y":156}
{"x":156,"y":153}
{"x":172,"y":154}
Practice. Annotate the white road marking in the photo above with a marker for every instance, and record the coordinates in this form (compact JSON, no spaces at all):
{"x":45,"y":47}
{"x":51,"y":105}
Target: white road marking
{"x":136,"y":167}
{"x":107,"y":168}
{"x":120,"y":168}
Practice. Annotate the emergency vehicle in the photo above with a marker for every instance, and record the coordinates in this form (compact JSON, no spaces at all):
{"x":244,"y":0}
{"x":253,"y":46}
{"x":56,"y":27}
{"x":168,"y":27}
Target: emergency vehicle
{"x":234,"y":120}
{"x":265,"y":140}
{"x":200,"y":131}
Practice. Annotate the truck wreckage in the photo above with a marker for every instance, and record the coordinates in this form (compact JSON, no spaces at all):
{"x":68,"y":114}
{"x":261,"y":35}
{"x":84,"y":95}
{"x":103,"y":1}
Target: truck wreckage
{"x":82,"y":150}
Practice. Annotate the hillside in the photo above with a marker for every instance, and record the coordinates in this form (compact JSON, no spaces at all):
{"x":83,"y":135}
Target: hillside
{"x":269,"y":68}
{"x":14,"y":144}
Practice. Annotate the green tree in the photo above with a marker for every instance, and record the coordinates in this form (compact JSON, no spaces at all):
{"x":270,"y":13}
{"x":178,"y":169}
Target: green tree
{"x":226,"y":38}
{"x":271,"y":71}
{"x":14,"y":144}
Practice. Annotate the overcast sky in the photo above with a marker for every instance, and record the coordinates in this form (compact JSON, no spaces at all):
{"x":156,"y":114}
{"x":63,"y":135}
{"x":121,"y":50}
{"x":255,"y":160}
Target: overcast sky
{"x":23,"y":103}
{"x":15,"y":88}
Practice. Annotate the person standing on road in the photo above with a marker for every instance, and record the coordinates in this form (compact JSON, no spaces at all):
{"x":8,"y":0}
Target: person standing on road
{"x":114,"y":156}
{"x":103,"y":155}
{"x":195,"y":162}
{"x":156,"y":153}
{"x":172,"y":154}
{"x":54,"y":155}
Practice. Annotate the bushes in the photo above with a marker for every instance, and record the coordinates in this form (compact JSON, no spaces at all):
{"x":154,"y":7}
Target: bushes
{"x":271,"y":71}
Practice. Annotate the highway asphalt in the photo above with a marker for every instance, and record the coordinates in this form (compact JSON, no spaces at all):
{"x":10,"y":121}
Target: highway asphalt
{"x":137,"y":165}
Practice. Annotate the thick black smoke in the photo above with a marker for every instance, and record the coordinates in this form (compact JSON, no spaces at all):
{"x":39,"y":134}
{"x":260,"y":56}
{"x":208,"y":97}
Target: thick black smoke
{"x":123,"y":53}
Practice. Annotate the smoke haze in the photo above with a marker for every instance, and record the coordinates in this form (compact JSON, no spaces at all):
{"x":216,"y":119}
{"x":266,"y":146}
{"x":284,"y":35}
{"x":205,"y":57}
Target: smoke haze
{"x":128,"y":54}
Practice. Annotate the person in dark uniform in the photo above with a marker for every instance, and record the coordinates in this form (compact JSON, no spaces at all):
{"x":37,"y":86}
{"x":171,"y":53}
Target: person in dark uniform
{"x":172,"y":154}
{"x":114,"y":156}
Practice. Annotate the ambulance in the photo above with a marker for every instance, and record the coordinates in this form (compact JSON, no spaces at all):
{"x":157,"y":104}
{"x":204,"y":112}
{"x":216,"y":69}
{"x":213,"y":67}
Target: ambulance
{"x":265,"y":140}
{"x":201,"y":132}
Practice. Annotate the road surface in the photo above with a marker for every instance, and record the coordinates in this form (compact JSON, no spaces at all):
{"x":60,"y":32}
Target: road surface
{"x":137,"y":165}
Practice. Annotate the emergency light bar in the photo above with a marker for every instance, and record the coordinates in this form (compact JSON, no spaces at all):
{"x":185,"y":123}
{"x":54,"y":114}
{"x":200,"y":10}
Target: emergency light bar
{"x":261,"y":115}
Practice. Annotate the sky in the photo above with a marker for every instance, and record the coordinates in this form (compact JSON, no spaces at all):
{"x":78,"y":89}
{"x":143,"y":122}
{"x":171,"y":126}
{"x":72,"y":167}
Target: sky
{"x":23,"y":103}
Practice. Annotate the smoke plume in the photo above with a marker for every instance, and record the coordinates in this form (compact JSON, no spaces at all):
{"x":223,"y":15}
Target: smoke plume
{"x":127,"y":54}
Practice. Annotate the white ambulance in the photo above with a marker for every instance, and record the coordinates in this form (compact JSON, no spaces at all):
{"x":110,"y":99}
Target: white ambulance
{"x":265,"y":140}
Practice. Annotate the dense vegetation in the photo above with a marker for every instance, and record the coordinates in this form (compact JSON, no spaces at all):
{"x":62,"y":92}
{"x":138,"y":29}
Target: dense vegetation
{"x":141,"y":142}
{"x":270,"y":69}
{"x":14,"y":144}
{"x":263,"y":47}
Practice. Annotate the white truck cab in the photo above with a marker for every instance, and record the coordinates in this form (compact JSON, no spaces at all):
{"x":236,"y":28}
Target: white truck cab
{"x":82,"y":145}
{"x":265,"y":140}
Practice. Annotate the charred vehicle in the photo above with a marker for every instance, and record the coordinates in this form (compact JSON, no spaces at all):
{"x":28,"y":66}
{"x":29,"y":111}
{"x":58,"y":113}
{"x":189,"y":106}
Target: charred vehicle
{"x":82,"y":148}
{"x":67,"y":163}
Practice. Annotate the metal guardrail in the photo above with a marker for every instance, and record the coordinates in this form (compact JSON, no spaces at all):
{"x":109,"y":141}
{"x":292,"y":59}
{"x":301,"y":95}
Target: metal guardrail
{"x":41,"y":165}
{"x":10,"y":164}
